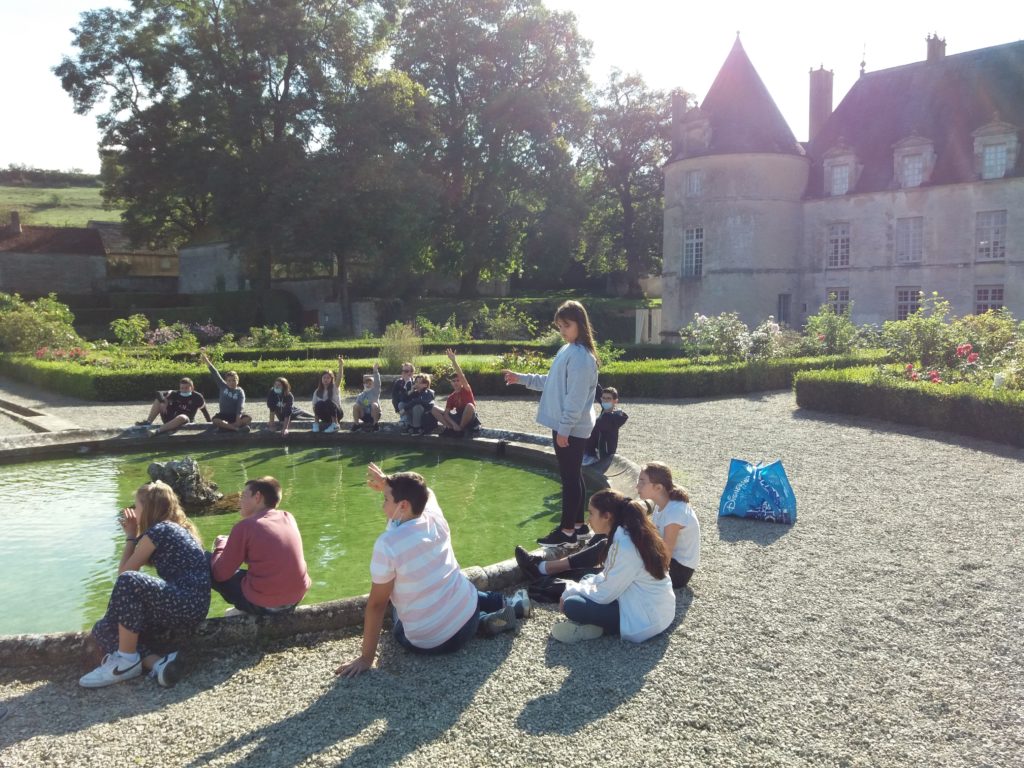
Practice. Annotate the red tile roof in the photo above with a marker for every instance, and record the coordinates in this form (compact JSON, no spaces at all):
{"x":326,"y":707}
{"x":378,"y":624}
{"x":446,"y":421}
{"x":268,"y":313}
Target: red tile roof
{"x":72,"y":241}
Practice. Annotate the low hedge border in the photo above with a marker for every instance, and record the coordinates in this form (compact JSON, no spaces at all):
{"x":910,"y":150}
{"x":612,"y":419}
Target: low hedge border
{"x":996,"y":415}
{"x":633,"y":379}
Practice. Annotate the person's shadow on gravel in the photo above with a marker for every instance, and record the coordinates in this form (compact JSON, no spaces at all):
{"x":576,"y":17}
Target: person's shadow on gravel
{"x":61,"y":706}
{"x":603,"y":674}
{"x":757,"y":531}
{"x":391,"y":710}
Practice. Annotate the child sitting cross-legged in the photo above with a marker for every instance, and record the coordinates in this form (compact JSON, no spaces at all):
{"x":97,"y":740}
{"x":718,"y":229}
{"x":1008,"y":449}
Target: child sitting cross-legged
{"x":268,"y":539}
{"x":436,"y":608}
{"x":459,"y":413}
{"x":366,"y":410}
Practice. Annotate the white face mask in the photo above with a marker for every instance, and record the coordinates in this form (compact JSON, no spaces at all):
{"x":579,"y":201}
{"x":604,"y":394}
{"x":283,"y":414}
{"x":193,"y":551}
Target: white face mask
{"x":278,"y":390}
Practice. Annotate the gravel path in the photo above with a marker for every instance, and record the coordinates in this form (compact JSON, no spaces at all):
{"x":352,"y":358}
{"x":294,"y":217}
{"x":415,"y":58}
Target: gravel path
{"x":884,"y":629}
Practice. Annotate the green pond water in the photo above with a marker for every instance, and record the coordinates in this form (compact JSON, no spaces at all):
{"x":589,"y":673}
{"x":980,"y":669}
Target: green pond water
{"x":62,"y":542}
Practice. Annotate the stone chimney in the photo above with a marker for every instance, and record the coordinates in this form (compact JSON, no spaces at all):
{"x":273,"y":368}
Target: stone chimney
{"x":15,"y":226}
{"x":820,"y":101}
{"x":936,"y":48}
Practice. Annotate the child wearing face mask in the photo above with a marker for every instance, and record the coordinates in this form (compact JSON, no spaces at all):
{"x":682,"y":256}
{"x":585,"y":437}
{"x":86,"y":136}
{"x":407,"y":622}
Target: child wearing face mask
{"x":281,"y":404}
{"x":604,"y":439}
{"x":176,"y":408}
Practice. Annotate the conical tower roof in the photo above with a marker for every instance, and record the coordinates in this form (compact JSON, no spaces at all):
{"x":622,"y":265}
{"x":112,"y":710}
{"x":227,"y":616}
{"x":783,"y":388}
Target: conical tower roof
{"x":741,"y":113}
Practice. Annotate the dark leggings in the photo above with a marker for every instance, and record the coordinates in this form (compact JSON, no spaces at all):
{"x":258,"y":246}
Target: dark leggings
{"x":574,"y":491}
{"x":326,"y":411}
{"x":680,"y":574}
{"x":589,"y":557}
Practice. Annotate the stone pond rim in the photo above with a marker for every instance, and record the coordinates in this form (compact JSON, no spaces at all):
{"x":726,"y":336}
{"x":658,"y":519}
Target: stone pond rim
{"x":68,"y":647}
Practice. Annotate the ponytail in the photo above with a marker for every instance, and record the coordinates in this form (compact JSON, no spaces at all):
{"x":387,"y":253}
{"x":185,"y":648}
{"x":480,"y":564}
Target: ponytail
{"x":659,"y":474}
{"x":631,"y":514}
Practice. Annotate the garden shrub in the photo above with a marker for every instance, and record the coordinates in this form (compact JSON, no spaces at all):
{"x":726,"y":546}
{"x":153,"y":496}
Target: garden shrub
{"x":505,"y":323}
{"x":924,"y":336}
{"x":173,"y":338}
{"x":449,"y":332}
{"x":400,"y":344}
{"x":988,"y":334}
{"x":270,"y":337}
{"x":28,"y":325}
{"x":130,"y":331}
{"x":830,"y":332}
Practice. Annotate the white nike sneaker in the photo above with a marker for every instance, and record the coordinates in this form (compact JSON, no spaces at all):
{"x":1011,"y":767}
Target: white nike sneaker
{"x":114,"y":669}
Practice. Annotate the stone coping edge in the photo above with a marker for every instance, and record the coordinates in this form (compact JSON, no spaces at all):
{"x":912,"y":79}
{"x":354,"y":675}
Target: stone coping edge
{"x":68,"y":647}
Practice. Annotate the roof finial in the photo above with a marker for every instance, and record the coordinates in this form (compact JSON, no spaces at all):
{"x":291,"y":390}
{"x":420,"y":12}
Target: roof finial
{"x":863,"y":59}
{"x":737,"y":34}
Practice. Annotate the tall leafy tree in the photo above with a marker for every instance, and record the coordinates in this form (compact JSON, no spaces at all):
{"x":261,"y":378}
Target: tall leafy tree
{"x":506,"y":82}
{"x":211,"y":109}
{"x":628,"y":140}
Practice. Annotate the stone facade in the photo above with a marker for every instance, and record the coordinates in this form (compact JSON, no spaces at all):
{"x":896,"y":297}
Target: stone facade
{"x":912,"y":184}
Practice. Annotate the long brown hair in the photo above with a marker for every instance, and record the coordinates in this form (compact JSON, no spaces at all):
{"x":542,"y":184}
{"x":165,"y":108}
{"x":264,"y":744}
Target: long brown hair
{"x":320,"y":386}
{"x":573,"y":311}
{"x":157,"y":502}
{"x":631,"y":514}
{"x":286,"y":388}
{"x":659,"y":474}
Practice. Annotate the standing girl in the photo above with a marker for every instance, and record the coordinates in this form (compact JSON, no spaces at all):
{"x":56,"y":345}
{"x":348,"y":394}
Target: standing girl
{"x":674,"y":519}
{"x":632,"y":596}
{"x":567,"y":397}
{"x":157,"y":533}
{"x":327,"y":399}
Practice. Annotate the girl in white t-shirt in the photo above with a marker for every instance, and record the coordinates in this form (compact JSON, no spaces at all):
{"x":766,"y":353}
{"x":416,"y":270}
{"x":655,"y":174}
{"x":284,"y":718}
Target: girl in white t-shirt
{"x":674,"y":519}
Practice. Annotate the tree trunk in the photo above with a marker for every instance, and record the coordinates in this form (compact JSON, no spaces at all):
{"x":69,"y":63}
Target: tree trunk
{"x":348,"y":319}
{"x":629,"y":244}
{"x":469,"y":283}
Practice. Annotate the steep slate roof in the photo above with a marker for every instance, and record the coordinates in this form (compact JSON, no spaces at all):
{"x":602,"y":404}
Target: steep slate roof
{"x":944,"y":100}
{"x":742,"y":114}
{"x":71,"y":241}
{"x":116,"y":241}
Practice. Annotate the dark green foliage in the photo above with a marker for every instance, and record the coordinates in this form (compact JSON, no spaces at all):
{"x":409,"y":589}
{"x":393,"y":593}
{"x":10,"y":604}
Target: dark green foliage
{"x":962,"y":408}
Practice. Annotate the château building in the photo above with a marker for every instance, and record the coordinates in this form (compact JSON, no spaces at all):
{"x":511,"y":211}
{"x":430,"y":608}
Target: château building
{"x":913,"y":184}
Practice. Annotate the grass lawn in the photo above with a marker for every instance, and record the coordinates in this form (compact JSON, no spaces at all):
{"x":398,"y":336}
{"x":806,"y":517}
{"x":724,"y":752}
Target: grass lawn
{"x":55,"y":206}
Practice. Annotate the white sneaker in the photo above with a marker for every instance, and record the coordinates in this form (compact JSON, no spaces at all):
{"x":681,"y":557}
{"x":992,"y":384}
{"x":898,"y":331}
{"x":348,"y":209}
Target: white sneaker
{"x":316,"y":426}
{"x":167,"y":671}
{"x":331,"y":428}
{"x":114,"y":669}
{"x":521,"y":603}
{"x":588,"y":460}
{"x":571,"y":632}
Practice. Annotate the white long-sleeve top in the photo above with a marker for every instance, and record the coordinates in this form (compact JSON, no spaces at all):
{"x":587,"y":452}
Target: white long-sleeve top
{"x":567,"y":392}
{"x":646,"y":605}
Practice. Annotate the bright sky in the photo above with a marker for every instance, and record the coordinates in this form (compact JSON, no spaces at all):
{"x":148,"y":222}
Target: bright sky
{"x":669,"y":42}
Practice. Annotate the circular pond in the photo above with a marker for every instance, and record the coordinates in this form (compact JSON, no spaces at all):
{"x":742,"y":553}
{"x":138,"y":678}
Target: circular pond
{"x":62,"y":543}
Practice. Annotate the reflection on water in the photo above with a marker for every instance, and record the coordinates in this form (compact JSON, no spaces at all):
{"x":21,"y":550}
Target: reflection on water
{"x":62,"y":543}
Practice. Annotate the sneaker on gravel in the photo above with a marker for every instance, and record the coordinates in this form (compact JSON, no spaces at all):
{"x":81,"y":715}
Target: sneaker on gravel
{"x":521,"y":604}
{"x":115,"y":668}
{"x":558,"y":538}
{"x":528,"y":564}
{"x":331,"y":428}
{"x":168,"y":670}
{"x":588,"y":460}
{"x":356,"y":427}
{"x":315,"y":427}
{"x":571,"y":632}
{"x":499,"y":621}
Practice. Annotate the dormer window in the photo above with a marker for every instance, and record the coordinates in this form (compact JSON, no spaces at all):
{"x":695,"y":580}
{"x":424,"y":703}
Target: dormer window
{"x":841,"y":170}
{"x":995,"y":149}
{"x":912,"y":161}
{"x":840,"y":180}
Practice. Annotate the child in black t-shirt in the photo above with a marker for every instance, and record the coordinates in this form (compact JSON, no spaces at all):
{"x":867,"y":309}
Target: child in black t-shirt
{"x":604,"y":439}
{"x":176,"y":408}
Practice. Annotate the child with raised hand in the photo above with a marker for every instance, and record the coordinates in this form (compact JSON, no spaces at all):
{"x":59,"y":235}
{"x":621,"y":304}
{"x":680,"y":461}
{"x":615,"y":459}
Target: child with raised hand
{"x":327,"y":399}
{"x":419,"y":405}
{"x":230,"y":415}
{"x":366,"y":411}
{"x":566,"y":408}
{"x":268,"y":540}
{"x":459,"y":413}
{"x":632,"y":595}
{"x":604,"y":440}
{"x":157,"y":533}
{"x":436,"y":608}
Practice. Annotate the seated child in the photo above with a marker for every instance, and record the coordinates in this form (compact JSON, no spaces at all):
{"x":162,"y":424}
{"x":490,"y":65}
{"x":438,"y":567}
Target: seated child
{"x":366,"y":411}
{"x":436,"y":608}
{"x":604,"y":439}
{"x":632,"y":595}
{"x":176,"y":408}
{"x":268,"y":539}
{"x":400,"y":391}
{"x":419,"y":405}
{"x":231,"y":414}
{"x":281,"y":404}
{"x":327,"y":399}
{"x":459,"y":413}
{"x":157,"y":533}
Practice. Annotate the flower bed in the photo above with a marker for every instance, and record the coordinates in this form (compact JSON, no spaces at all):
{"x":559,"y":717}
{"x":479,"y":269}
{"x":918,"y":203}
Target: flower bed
{"x":894,"y":395}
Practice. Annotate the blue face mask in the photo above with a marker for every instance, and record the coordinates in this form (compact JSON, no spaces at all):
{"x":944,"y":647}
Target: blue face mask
{"x":278,"y":390}
{"x":183,"y":393}
{"x":606,"y":406}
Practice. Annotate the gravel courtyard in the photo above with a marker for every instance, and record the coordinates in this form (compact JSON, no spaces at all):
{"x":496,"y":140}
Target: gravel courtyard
{"x":885,"y":628}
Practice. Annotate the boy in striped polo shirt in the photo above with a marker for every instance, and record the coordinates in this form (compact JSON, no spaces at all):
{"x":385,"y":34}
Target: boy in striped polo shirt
{"x":437,"y":609}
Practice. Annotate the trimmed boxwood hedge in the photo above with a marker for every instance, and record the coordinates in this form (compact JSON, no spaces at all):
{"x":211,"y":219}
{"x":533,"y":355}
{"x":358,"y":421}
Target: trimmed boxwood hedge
{"x":961,"y":408}
{"x":644,"y":378}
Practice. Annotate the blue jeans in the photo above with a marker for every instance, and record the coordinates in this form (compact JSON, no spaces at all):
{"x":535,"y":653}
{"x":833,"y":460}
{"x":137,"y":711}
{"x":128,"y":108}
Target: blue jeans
{"x":486,"y":602}
{"x":577,"y":608}
{"x":231,"y":591}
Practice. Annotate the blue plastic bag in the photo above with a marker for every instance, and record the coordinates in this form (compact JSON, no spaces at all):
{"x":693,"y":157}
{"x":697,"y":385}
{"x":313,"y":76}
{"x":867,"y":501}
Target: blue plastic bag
{"x":758,"y":492}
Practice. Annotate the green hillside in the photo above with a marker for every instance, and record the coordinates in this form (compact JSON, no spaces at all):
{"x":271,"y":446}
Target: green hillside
{"x":54,"y":206}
